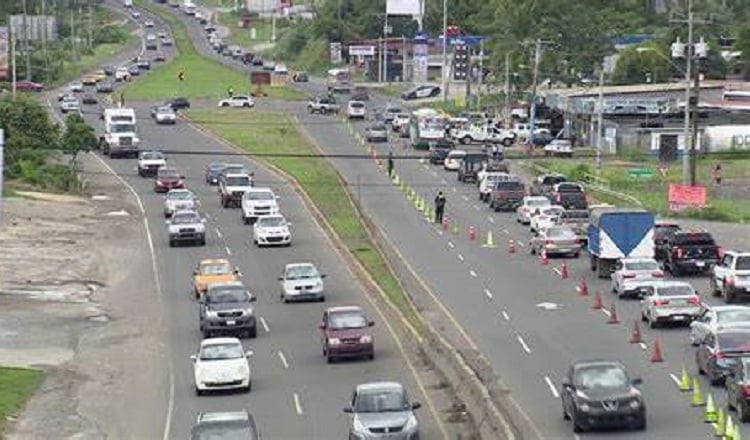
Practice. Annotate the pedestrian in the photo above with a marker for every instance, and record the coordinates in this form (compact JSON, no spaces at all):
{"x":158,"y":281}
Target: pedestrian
{"x":390,"y":164}
{"x":122,"y":99}
{"x":230,"y":91}
{"x":439,"y":207}
{"x":717,"y":173}
{"x":495,"y":151}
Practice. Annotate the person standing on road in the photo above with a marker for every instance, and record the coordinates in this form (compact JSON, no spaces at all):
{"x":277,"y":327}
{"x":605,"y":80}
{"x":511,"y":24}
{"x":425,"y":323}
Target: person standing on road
{"x":390,"y":164}
{"x":439,"y":207}
{"x":230,"y":91}
{"x":717,"y":173}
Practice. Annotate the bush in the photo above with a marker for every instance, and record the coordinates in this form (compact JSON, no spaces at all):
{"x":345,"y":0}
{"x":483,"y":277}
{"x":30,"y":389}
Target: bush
{"x":579,"y":173}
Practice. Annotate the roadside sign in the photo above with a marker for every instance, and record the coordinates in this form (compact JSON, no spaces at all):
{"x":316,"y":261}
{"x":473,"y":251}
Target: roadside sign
{"x":640,"y":173}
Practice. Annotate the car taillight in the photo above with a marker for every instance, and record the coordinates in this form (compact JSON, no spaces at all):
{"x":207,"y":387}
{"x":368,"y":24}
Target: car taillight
{"x":720,"y":252}
{"x":558,"y":198}
{"x":746,"y":390}
{"x":679,"y":252}
{"x":694,"y":301}
{"x":657,"y":274}
{"x":660,"y":302}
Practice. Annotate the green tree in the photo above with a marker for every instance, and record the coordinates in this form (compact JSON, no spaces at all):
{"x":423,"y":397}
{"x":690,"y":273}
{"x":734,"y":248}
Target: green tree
{"x":743,"y":45}
{"x":30,"y":135}
{"x":637,"y":65}
{"x":78,"y":137}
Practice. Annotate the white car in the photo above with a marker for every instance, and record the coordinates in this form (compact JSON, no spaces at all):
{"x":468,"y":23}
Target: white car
{"x":356,"y":110}
{"x":302,"y":281}
{"x":529,"y":204}
{"x":280,"y":69}
{"x":75,"y":87}
{"x":178,"y":200}
{"x":630,"y":274}
{"x":670,"y":301}
{"x":717,"y":318}
{"x":238,"y":101}
{"x":165,"y":115}
{"x":122,"y":74}
{"x":149,"y":163}
{"x":270,"y":230}
{"x":487,"y":183}
{"x":221,"y":364}
{"x":70,"y":104}
{"x":400,"y":123}
{"x":559,"y":148}
{"x":257,"y":202}
{"x":186,"y":226}
{"x":148,"y":23}
{"x":543,"y":218}
{"x":452,"y":161}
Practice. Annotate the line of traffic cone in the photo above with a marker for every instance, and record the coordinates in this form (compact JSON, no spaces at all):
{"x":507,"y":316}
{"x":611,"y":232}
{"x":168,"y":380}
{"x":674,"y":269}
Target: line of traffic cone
{"x":720,"y":425}
{"x":456,"y":229}
{"x":490,"y":242}
{"x":686,"y":383}
{"x":697,"y":399}
{"x":656,"y":355}
{"x":730,"y":431}
{"x":710,"y":415}
{"x":635,"y":333}
{"x":429,"y":213}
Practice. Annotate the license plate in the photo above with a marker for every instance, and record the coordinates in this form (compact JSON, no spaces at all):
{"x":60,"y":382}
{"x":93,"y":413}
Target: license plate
{"x":700,"y":263}
{"x":231,"y":322}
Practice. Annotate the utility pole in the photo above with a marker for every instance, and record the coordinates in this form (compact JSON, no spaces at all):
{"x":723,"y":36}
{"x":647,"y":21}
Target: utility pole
{"x":480,"y":79}
{"x":385,"y":49}
{"x":403,"y":59}
{"x":535,"y":80}
{"x":90,"y":25}
{"x":73,"y":31}
{"x":26,"y":51}
{"x":14,"y":76}
{"x":444,"y":69}
{"x":506,"y":90}
{"x":696,"y":117}
{"x":600,"y":121}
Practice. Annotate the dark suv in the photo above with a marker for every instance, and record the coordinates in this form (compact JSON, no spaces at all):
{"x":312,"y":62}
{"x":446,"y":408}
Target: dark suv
{"x":345,"y":333}
{"x":694,"y":252}
{"x":227,"y":308}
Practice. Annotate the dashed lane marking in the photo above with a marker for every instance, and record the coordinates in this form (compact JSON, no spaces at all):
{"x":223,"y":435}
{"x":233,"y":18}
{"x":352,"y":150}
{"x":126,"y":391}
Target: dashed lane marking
{"x":520,"y":244}
{"x":218,"y":232}
{"x":461,"y":257}
{"x":472,"y":273}
{"x":465,"y":197}
{"x":488,"y":294}
{"x":506,"y":232}
{"x":505,"y":314}
{"x":283,"y":359}
{"x":606,"y":312}
{"x":297,"y":404}
{"x":476,"y":207}
{"x":451,"y":245}
{"x":264,"y":324}
{"x":643,"y":346}
{"x":552,"y":387}
{"x":675,"y":379}
{"x":491,"y":219}
{"x":229,"y":251}
{"x":523,"y":344}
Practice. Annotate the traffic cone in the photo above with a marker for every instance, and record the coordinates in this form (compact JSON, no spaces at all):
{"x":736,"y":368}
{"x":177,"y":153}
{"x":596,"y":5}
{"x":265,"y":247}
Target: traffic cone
{"x":613,"y":315}
{"x":738,"y":433}
{"x":597,"y":301}
{"x":710,"y":416}
{"x":564,"y":271}
{"x":721,"y":423}
{"x":729,"y":429}
{"x":490,"y":242}
{"x":445,"y":224}
{"x":409,"y":194}
{"x":583,"y":288}
{"x":429,"y":213}
{"x":403,"y":185}
{"x":657,"y":356}
{"x":685,"y":381}
{"x":395,"y":179}
{"x":511,"y":246}
{"x":543,"y":259}
{"x":635,"y":333}
{"x":697,"y":399}
{"x":472,"y":233}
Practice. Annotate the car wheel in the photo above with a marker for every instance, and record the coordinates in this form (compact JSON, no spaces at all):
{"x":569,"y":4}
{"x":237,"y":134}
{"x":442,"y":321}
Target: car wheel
{"x":245,"y":220}
{"x":743,"y":412}
{"x":198,"y":392}
{"x":322,"y":298}
{"x":652,"y":323}
{"x":329,"y":359}
{"x":727,"y":294}
{"x":171,"y":243}
{"x":641,"y":424}
{"x":202,"y":242}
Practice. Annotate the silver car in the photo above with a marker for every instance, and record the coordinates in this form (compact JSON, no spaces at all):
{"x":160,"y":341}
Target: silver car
{"x":670,"y":301}
{"x":186,"y":226}
{"x":178,"y":200}
{"x":302,"y":281}
{"x":556,"y":240}
{"x":377,"y":133}
{"x":717,"y":318}
{"x":382,"y":410}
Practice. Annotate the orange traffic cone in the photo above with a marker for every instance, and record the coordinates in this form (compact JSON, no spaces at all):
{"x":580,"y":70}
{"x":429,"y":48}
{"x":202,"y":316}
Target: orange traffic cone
{"x":635,"y":333}
{"x":583,"y":288}
{"x":564,"y":271}
{"x":472,"y":233}
{"x":445,"y":224}
{"x":657,"y":356}
{"x":543,"y":259}
{"x":511,"y":247}
{"x":613,"y":315}
{"x":597,"y":301}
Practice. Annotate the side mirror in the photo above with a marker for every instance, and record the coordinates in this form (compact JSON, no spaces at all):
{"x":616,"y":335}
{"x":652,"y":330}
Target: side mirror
{"x":348,"y":410}
{"x":370,"y":323}
{"x":253,"y":298}
{"x":637,"y":381}
{"x":193,"y":358}
{"x":416,"y":405}
{"x":249,"y":353}
{"x":203,"y":220}
{"x":322,"y":326}
{"x":323,"y":275}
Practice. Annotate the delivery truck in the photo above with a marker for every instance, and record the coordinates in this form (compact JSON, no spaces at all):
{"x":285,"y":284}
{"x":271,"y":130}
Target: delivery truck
{"x":615,"y":233}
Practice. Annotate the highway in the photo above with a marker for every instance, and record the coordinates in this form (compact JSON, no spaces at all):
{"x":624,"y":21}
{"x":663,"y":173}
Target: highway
{"x":296,"y":394}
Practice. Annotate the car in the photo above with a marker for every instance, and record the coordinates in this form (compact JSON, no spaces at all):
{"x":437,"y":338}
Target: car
{"x":258,"y":202}
{"x":737,"y":384}
{"x":630,"y":274}
{"x":544,"y":217}
{"x":280,"y":69}
{"x":599,"y":393}
{"x":300,"y":77}
{"x":556,"y":240}
{"x":143,"y":64}
{"x":670,"y":301}
{"x":268,"y":65}
{"x":453,"y":159}
{"x":160,"y":56}
{"x":108,"y":70}
{"x":89,"y":80}
{"x":135,"y":14}
{"x":662,"y":231}
{"x":166,"y":41}
{"x":149,"y":163}
{"x":379,"y":408}
{"x":178,"y":103}
{"x":238,"y":101}
{"x":122,"y":73}
{"x":234,"y":168}
{"x":186,"y":226}
{"x":720,"y":351}
{"x":302,"y":281}
{"x":559,"y":148}
{"x":377,"y":133}
{"x":420,"y":92}
{"x":134,"y":70}
{"x":390,"y":112}
{"x":227,"y":424}
{"x":164,"y":114}
{"x":151,"y":42}
{"x":76,"y":87}
{"x":70,"y":104}
{"x":213,"y":172}
{"x":257,"y":61}
{"x":232,"y":189}
{"x":345,"y":333}
{"x":89,"y":99}
{"x":731,"y":276}
{"x":148,"y":23}
{"x":228,"y":308}
{"x":209,"y":28}
{"x":210,"y":271}
{"x":168,"y":178}
{"x":438,"y":153}
{"x":486,"y":182}
{"x":529,"y":204}
{"x":29,"y":86}
{"x":272,"y":230}
{"x":718,"y":317}
{"x":105,"y":87}
{"x":221,"y":364}
{"x":400,"y":124}
{"x":356,"y":110}
{"x":179,"y":200}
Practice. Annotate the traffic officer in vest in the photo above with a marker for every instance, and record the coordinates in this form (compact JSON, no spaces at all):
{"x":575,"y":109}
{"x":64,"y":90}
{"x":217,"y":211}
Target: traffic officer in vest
{"x":230,"y":91}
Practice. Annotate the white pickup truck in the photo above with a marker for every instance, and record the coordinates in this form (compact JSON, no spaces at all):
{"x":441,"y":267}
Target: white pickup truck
{"x":483,"y":134}
{"x":559,"y":148}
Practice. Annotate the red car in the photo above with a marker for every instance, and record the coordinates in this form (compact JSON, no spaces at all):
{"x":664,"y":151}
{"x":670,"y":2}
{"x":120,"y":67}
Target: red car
{"x":29,"y":86}
{"x":345,"y":333}
{"x":168,"y":178}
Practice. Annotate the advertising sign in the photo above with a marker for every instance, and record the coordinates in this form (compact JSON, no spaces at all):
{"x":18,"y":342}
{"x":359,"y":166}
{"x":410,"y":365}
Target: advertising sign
{"x":362,"y":51}
{"x":4,"y":53}
{"x":403,"y":7}
{"x":420,"y":62}
{"x":685,"y":196}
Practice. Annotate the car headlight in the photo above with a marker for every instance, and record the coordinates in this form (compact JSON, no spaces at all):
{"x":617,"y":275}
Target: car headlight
{"x":584,"y":407}
{"x":319,"y":284}
{"x":334,"y":341}
{"x":365,"y":339}
{"x":358,"y":428}
{"x":411,"y":423}
{"x":635,"y":404}
{"x":212,"y":314}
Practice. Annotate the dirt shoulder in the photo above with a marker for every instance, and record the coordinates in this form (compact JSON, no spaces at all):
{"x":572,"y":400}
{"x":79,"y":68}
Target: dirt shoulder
{"x":78,"y":299}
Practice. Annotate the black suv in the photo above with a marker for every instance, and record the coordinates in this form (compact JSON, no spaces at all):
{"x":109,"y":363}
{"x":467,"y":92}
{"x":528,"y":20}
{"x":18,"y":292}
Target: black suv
{"x":227,"y":308}
{"x":229,"y":425}
{"x":693,"y":252}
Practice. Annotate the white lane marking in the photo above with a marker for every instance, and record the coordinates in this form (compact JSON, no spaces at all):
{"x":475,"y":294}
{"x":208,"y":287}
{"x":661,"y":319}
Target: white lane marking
{"x":552,"y":387}
{"x":433,"y":173}
{"x":472,"y":273}
{"x":445,"y":182}
{"x":506,"y":232}
{"x":229,"y":251}
{"x":239,"y":273}
{"x":476,"y":207}
{"x":460,"y":257}
{"x":605,"y":311}
{"x":488,"y":294}
{"x":157,"y":276}
{"x":218,"y":232}
{"x":208,"y":216}
{"x":576,"y":437}
{"x":523,"y":344}
{"x":675,"y":379}
{"x":491,"y":219}
{"x":455,"y":190}
{"x":451,"y":245}
{"x":283,"y":359}
{"x":520,"y":244}
{"x":464,"y":197}
{"x":297,"y":404}
{"x":264,"y":324}
{"x":643,"y":346}
{"x":557,"y":271}
{"x":506,"y":316}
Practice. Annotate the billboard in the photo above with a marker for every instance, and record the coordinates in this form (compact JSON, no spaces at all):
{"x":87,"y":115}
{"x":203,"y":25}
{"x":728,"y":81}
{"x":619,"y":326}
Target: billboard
{"x":403,"y":7}
{"x":34,"y":27}
{"x":681,"y":197}
{"x":362,"y":50}
{"x":4,"y":52}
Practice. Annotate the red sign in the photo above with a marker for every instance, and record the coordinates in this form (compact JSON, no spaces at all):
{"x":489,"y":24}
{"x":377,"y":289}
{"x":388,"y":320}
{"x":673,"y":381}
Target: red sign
{"x":686,"y":196}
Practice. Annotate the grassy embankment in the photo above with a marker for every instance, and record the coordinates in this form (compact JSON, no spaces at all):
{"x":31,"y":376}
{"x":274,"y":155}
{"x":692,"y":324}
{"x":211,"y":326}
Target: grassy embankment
{"x":16,"y":387}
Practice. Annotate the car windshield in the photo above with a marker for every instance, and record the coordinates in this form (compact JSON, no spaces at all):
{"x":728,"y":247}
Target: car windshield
{"x":356,"y":105}
{"x":216,"y":269}
{"x":677,"y":290}
{"x":271,"y":222}
{"x":662,"y":230}
{"x":216,"y":166}
{"x":226,"y":294}
{"x":378,"y":128}
{"x":694,"y":239}
{"x":238,"y":181}
{"x":739,"y":341}
{"x":122,"y":128}
{"x":185,"y":218}
{"x":732,"y":316}
{"x":168,"y":174}
{"x":260,"y":195}
{"x":601,"y":376}
{"x":381,"y":401}
{"x":346,"y":320}
{"x":235,"y":169}
{"x":743,"y":263}
{"x":558,"y":233}
{"x":165,"y":110}
{"x":216,"y":352}
{"x":301,"y":272}
{"x":538,"y":202}
{"x":152,"y":156}
{"x":641,"y":265}
{"x":179,"y":195}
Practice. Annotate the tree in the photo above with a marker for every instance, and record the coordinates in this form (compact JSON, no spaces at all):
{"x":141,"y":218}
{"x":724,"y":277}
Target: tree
{"x":78,"y":137}
{"x":743,"y":45}
{"x":635,"y":66}
{"x":30,"y":134}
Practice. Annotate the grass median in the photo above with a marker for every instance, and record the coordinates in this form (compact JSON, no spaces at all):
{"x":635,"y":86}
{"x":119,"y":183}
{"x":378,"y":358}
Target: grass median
{"x":16,"y":387}
{"x":276,"y":134}
{"x":204,"y":78}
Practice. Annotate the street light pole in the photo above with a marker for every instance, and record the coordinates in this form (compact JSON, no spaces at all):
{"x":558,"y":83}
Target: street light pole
{"x":444,"y":70}
{"x":506,"y":90}
{"x":688,"y":94}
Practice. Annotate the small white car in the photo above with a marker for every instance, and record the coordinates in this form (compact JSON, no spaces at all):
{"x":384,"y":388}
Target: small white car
{"x":487,"y":183}
{"x":122,"y":74}
{"x":243,"y":101}
{"x":165,"y":115}
{"x":356,"y":110}
{"x":302,"y":281}
{"x":670,"y":301}
{"x":149,"y":163}
{"x":543,"y":218}
{"x":630,"y":274}
{"x":730,"y":278}
{"x":178,"y":200}
{"x":452,"y":161}
{"x":221,"y":364}
{"x":75,"y":87}
{"x":148,"y":23}
{"x":559,"y":148}
{"x":280,"y":69}
{"x":272,"y":230}
{"x":529,"y":204}
{"x":718,"y":318}
{"x":257,"y":202}
{"x":400,"y":123}
{"x":70,"y":104}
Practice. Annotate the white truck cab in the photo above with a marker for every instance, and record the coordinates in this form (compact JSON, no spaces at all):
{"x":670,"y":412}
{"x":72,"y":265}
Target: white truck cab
{"x":257,"y":202}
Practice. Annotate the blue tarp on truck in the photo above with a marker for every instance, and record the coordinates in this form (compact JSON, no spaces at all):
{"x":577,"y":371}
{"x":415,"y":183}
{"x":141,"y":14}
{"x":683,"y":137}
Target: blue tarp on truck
{"x":616,"y":233}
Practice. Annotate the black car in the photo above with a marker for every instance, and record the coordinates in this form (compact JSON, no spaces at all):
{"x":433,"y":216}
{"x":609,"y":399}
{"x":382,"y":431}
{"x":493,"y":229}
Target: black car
{"x":721,"y":351}
{"x":213,"y":172}
{"x":738,"y":389}
{"x":89,"y":99}
{"x":159,"y":56}
{"x":143,"y":64}
{"x":227,"y":425}
{"x":226,"y":308}
{"x":178,"y":103}
{"x":691,"y":252}
{"x":601,"y":394}
{"x":662,"y":232}
{"x":109,"y":70}
{"x":257,"y":61}
{"x":134,"y":70}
